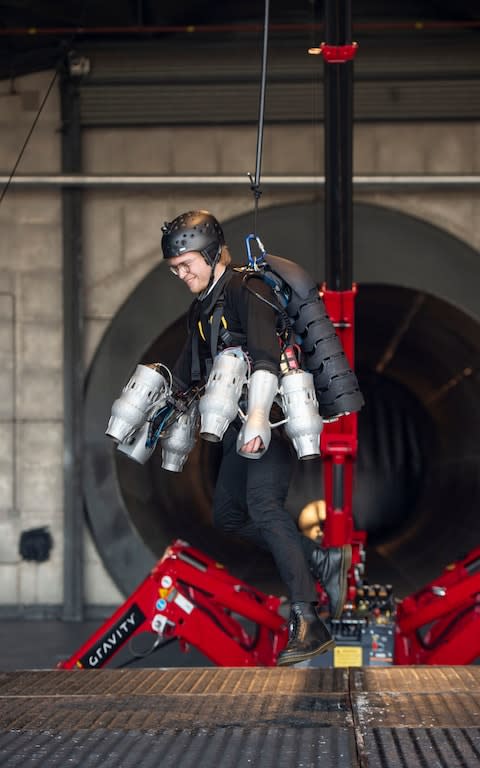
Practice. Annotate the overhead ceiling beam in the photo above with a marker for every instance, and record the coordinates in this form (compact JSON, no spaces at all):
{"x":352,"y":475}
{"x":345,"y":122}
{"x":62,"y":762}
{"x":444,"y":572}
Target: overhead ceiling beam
{"x":362,"y":183}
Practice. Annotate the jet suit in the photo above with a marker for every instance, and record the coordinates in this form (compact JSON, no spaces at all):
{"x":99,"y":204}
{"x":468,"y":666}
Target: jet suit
{"x":242,"y":327}
{"x":237,"y":314}
{"x":249,"y":498}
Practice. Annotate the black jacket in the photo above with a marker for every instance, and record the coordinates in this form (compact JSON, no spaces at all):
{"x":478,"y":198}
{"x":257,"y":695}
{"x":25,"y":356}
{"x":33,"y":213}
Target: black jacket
{"x":247,"y":317}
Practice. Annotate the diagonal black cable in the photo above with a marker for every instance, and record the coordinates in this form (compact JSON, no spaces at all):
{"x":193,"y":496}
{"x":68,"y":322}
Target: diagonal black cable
{"x":64,"y":46}
{"x":25,"y":143}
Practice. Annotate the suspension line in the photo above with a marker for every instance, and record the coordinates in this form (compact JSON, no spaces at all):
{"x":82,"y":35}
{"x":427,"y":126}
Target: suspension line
{"x":255,"y":181}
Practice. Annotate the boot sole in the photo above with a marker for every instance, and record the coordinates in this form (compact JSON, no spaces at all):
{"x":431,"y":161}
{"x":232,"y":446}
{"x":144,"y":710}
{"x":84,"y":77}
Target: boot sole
{"x":304,"y":656}
{"x":345,"y":565}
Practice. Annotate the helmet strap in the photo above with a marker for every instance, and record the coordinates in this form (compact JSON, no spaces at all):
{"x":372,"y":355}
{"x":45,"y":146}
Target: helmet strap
{"x":207,"y":255}
{"x":213,"y":264}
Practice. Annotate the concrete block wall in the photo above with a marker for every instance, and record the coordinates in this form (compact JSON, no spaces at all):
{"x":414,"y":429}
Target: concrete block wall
{"x":430,"y":148}
{"x":121,"y":245}
{"x":31,"y":411}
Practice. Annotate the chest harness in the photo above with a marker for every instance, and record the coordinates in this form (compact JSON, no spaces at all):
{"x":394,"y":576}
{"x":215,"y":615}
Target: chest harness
{"x":302,"y":321}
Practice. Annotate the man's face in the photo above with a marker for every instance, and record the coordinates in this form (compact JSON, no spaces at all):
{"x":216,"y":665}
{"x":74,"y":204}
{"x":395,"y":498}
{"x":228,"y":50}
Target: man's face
{"x":192,"y":268}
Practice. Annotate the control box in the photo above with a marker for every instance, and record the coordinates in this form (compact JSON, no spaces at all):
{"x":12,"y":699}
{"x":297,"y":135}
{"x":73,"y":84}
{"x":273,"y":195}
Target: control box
{"x":365,"y":633}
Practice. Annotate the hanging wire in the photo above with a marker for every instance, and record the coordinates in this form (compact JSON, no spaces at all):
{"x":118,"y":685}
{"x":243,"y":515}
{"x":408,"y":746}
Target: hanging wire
{"x":255,"y":182}
{"x":65,"y":45}
{"x":25,"y":143}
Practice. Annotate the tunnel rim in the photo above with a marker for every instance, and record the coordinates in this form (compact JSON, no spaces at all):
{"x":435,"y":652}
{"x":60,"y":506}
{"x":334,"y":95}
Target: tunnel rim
{"x":126,"y":557}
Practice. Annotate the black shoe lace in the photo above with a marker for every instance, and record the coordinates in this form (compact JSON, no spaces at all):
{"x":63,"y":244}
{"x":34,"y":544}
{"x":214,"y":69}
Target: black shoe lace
{"x":293,"y":626}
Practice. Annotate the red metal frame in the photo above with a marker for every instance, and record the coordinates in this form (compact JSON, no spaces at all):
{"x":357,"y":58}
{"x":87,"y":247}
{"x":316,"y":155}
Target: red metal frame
{"x":338,"y":442}
{"x":338,"y":54}
{"x":440,"y":624}
{"x":191,"y":597}
{"x":335,"y":54}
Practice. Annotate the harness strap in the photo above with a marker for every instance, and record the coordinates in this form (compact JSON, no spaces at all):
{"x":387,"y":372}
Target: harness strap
{"x":215,"y":306}
{"x":196,"y":374}
{"x":216,"y":320}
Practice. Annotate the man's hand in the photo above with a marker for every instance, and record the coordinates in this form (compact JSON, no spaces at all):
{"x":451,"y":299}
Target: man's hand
{"x":253,"y":446}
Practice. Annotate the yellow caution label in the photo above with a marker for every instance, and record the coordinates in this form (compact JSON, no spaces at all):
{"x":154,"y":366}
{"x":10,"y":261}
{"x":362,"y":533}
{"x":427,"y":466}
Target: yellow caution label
{"x":347,"y":656}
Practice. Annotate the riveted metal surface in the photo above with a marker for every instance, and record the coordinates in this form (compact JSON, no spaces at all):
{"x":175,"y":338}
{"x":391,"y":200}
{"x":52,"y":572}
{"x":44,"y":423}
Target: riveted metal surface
{"x":417,"y":716}
{"x":367,"y":718}
{"x":173,"y":681}
{"x":157,"y":712}
{"x":415,"y":679}
{"x":232,"y":748}
{"x":183,"y":711}
{"x":422,"y":747}
{"x":411,"y":710}
{"x":194,"y":717}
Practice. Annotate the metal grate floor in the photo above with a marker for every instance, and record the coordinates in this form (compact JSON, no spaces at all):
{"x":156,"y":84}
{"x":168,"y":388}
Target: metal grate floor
{"x":202,"y":717}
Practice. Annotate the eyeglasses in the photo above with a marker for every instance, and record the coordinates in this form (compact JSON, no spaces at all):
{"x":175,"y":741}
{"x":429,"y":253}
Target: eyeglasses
{"x":184,"y":268}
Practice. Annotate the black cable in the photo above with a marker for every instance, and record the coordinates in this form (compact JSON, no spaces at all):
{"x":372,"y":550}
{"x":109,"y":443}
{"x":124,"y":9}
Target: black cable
{"x":25,"y":143}
{"x":213,"y":616}
{"x":285,"y":330}
{"x":157,"y":645}
{"x":277,"y":309}
{"x":64,"y":45}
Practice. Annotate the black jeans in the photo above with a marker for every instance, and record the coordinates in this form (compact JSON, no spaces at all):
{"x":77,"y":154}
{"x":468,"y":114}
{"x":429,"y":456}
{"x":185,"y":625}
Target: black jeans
{"x":249,"y":501}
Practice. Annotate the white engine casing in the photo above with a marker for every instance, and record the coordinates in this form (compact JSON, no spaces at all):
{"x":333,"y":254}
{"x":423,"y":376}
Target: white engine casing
{"x":219,"y":405}
{"x":303,"y":421}
{"x":146,"y":390}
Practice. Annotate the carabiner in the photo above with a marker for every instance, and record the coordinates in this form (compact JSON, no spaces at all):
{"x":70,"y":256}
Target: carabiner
{"x":255,"y":261}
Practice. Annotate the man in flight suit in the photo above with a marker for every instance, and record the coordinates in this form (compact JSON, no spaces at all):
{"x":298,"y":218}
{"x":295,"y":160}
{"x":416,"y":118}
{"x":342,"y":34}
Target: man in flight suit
{"x":255,"y":470}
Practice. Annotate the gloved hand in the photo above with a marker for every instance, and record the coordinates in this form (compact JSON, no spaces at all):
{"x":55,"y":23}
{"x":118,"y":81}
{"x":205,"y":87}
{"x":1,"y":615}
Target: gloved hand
{"x":256,"y":431}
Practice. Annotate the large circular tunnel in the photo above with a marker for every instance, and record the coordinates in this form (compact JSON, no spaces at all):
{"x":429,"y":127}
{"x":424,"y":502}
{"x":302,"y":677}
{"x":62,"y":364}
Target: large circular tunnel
{"x":417,"y":485}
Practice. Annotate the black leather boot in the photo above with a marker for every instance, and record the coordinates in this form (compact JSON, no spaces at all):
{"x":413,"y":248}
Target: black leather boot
{"x":307,"y":635}
{"x":330,"y":567}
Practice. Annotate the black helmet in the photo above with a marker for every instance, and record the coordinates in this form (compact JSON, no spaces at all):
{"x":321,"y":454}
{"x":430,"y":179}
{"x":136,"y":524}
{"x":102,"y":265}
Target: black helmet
{"x":193,"y":231}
